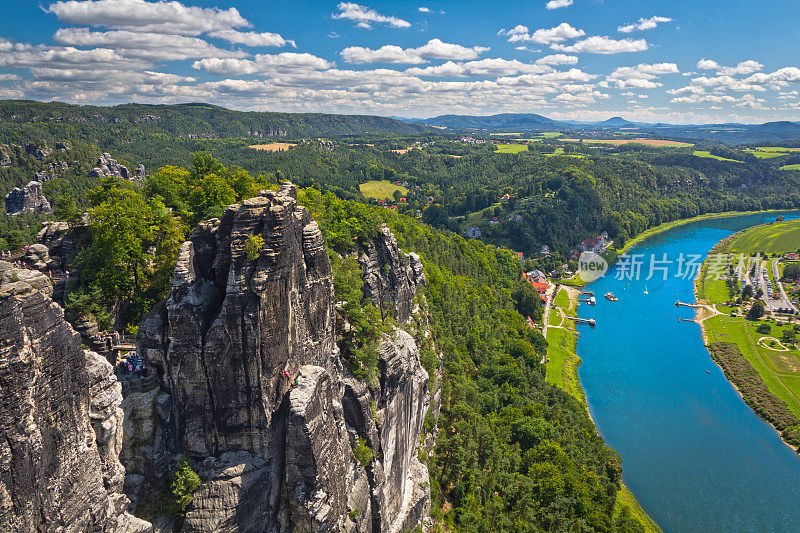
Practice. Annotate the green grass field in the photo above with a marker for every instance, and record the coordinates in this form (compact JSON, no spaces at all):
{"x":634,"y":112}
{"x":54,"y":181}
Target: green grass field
{"x":381,"y":189}
{"x":562,"y":367}
{"x":774,"y":149}
{"x":796,"y":166}
{"x":562,"y":300}
{"x":765,"y":155}
{"x":777,"y":237}
{"x":511,"y":148}
{"x":706,"y":153}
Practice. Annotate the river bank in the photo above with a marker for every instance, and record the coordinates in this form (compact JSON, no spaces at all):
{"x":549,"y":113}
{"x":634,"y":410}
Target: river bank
{"x":767,"y":386}
{"x":694,"y":454}
{"x":562,"y":370}
{"x":655,"y":230}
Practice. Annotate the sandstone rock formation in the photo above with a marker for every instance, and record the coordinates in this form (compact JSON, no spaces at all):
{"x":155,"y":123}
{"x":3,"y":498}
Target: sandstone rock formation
{"x":60,"y":420}
{"x":37,"y":257}
{"x":277,"y":454}
{"x":29,"y":199}
{"x":390,"y":276}
{"x":106,"y":167}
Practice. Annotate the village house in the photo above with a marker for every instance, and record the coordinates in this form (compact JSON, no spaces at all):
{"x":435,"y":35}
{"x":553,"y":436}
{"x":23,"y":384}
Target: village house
{"x":505,"y":197}
{"x":597,"y":244}
{"x":545,"y":251}
{"x":515,"y":218}
{"x":494,"y":221}
{"x":791,"y":256}
{"x":536,"y":276}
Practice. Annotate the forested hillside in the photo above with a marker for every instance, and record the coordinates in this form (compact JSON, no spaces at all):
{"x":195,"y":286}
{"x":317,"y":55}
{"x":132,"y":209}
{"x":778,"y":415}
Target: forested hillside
{"x":187,"y":120}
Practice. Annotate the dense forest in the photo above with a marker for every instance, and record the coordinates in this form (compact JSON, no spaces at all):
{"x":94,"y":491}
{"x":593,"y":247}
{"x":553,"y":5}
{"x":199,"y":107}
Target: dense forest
{"x":191,"y":120}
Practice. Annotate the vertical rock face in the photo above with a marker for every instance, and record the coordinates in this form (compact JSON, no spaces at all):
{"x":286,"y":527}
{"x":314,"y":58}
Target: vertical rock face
{"x":59,"y":417}
{"x":252,"y":298}
{"x":29,"y":199}
{"x":390,"y":276}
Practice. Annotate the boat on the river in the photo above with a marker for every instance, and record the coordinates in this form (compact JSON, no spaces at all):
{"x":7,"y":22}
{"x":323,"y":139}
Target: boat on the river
{"x":610,"y":297}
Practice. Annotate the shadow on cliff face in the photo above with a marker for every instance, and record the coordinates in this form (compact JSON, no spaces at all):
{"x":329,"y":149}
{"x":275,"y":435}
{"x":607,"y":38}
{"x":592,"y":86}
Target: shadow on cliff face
{"x":276,"y":454}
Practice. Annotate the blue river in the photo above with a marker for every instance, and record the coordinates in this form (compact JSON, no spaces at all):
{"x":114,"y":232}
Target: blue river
{"x":694,"y":455}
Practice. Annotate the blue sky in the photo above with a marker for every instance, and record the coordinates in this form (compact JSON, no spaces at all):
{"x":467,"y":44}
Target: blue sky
{"x":680,"y":61}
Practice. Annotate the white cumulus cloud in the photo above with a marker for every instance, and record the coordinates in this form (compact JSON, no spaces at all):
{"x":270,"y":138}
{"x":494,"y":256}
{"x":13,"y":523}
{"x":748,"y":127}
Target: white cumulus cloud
{"x":557,"y":34}
{"x":643,"y":24}
{"x":365,"y":17}
{"x":161,"y":17}
{"x":557,"y":59}
{"x":603,"y":45}
{"x":434,"y":49}
{"x":252,"y":38}
{"x":555,"y":4}
{"x":641,"y":76}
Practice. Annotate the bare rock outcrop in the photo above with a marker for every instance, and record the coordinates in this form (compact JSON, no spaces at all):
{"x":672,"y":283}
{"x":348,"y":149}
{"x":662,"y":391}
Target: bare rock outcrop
{"x":28,"y":199}
{"x":108,"y":167}
{"x":59,"y":417}
{"x":390,"y":276}
{"x":276,"y":454}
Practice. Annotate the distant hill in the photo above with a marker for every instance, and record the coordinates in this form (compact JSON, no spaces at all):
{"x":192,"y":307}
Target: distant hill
{"x":200,"y":120}
{"x":729,"y":133}
{"x":505,"y":121}
{"x":616,"y":122}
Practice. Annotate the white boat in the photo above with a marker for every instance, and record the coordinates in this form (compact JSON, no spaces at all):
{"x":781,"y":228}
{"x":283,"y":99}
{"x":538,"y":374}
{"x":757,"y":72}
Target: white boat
{"x":645,"y":290}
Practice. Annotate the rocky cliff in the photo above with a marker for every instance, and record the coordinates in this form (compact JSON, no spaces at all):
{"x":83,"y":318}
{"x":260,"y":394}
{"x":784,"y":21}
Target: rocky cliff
{"x":60,"y":419}
{"x":251,"y":301}
{"x":390,"y":276}
{"x":28,"y":199}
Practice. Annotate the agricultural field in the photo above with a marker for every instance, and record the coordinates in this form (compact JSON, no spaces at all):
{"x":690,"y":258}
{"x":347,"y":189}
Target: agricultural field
{"x":796,"y":166}
{"x":775,"y":149}
{"x":273,"y":147}
{"x":638,"y":140}
{"x":381,"y":189}
{"x":706,"y":153}
{"x":765,"y":155}
{"x":511,"y":148}
{"x":560,"y":151}
{"x":774,"y":238}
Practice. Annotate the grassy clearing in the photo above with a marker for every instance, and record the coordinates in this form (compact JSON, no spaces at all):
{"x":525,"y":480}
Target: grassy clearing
{"x":776,"y":237}
{"x":562,"y":300}
{"x":563,"y":362}
{"x":796,"y":166}
{"x":273,"y":147}
{"x":381,"y":189}
{"x":511,"y":148}
{"x":707,"y":154}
